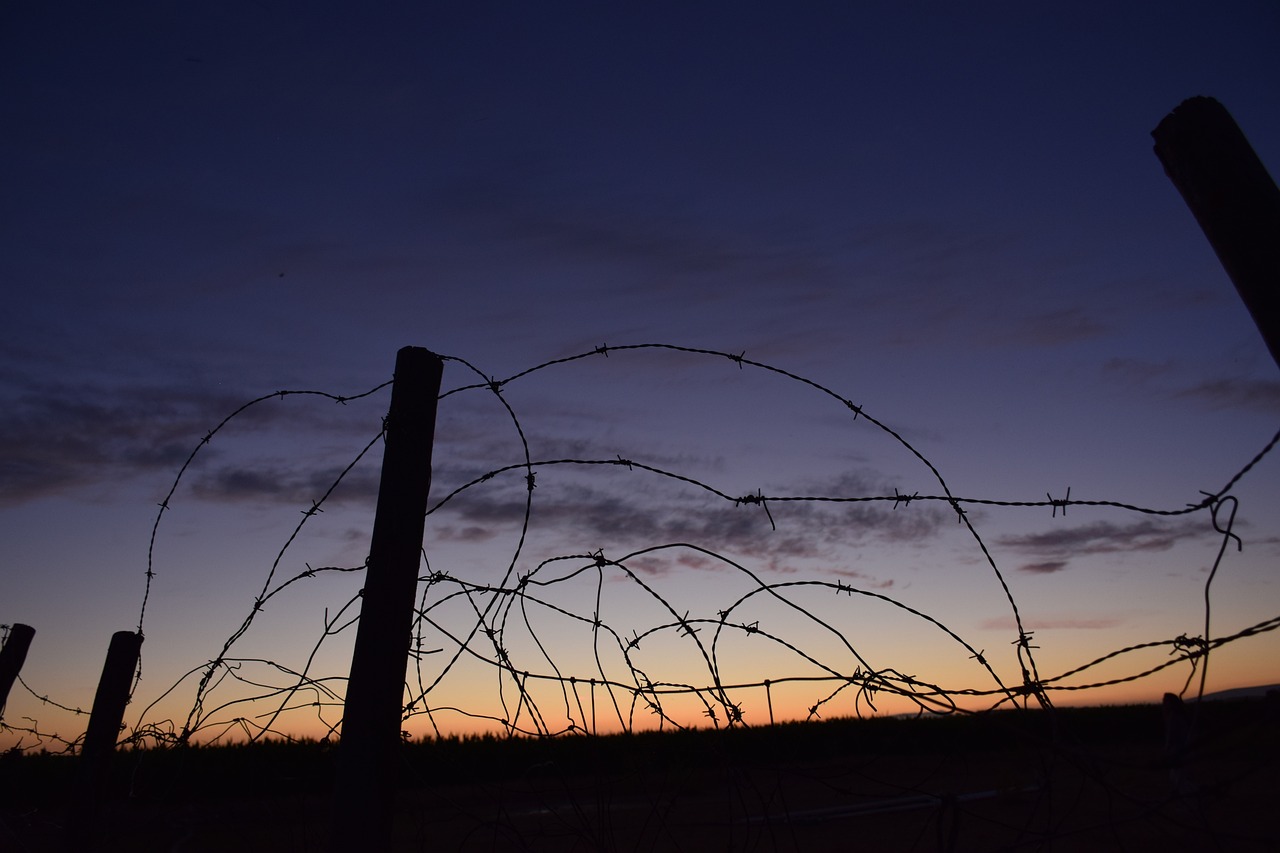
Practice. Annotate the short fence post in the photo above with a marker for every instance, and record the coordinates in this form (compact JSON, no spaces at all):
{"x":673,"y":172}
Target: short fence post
{"x":112,"y":697}
{"x":1233,"y":198}
{"x":364,"y":791}
{"x":12,"y":656}
{"x":100,"y":737}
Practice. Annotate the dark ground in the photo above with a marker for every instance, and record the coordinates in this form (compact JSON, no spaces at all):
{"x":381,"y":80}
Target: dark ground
{"x":1080,"y":779}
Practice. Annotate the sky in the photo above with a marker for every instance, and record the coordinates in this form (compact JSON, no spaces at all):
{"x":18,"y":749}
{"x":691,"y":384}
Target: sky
{"x":947,"y":215}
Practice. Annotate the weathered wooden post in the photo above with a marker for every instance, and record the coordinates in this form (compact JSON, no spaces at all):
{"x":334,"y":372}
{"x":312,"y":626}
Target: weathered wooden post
{"x":365,"y":789}
{"x":110,"y":700}
{"x":12,"y":656}
{"x":100,"y":738}
{"x":1233,"y":198}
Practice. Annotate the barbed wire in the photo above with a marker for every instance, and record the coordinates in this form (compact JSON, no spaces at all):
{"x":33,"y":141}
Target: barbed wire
{"x":177,"y":480}
{"x":501,"y":597}
{"x":502,"y":631}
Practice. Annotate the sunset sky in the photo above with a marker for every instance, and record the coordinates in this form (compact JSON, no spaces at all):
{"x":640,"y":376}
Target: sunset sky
{"x":947,"y":214}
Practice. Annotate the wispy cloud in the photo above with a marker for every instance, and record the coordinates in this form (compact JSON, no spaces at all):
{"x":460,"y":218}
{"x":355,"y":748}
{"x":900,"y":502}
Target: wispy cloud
{"x":1061,"y":326}
{"x":865,"y":579}
{"x":470,"y":534}
{"x":1056,"y":547}
{"x":509,"y":203}
{"x":1046,"y":567}
{"x":1137,"y":370}
{"x":1223,"y":392}
{"x":1257,"y":395}
{"x":623,"y":512}
{"x":59,"y":438}
{"x":657,"y":565}
{"x":279,"y":483}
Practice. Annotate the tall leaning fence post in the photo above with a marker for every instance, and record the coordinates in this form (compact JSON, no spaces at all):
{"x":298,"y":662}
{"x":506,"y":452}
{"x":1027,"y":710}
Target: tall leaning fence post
{"x":364,"y":791}
{"x":1236,"y":202}
{"x":12,"y":656}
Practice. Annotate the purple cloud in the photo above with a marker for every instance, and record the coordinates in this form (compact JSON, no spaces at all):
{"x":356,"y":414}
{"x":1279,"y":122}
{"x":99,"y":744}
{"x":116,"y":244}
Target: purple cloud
{"x":1051,"y":328}
{"x":620,"y":509}
{"x":56,"y":438}
{"x":1102,"y":537}
{"x":1257,"y":395}
{"x":1047,"y":567}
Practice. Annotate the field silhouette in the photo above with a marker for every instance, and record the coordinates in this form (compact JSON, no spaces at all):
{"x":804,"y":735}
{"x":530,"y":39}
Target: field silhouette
{"x":1070,"y":779}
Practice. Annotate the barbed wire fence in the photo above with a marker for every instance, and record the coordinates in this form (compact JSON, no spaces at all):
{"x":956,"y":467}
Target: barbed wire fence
{"x":592,"y":641}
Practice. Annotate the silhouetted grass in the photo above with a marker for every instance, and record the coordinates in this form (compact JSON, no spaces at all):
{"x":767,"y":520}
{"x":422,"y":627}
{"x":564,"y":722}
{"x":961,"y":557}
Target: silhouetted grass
{"x":651,"y":790}
{"x":288,"y":768}
{"x":280,"y":768}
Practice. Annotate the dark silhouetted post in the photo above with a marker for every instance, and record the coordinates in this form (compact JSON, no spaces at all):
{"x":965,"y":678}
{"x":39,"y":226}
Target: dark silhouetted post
{"x":12,"y":657}
{"x":110,"y":700}
{"x":366,"y":783}
{"x":1233,"y":198}
{"x":101,"y":736}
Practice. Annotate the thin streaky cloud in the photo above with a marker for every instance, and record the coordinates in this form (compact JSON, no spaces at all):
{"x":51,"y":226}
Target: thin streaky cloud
{"x":1256,"y":395}
{"x":634,"y":236}
{"x":282,"y":484}
{"x":1137,"y":370}
{"x":470,"y":534}
{"x":1224,"y":392}
{"x":1046,"y":567}
{"x":612,"y":516}
{"x":57,"y":438}
{"x":1062,"y":326}
{"x":62,"y":438}
{"x":865,"y":579}
{"x":1102,"y":537}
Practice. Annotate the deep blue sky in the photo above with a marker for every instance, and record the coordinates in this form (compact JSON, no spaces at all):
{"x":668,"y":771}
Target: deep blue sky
{"x":948,"y":214}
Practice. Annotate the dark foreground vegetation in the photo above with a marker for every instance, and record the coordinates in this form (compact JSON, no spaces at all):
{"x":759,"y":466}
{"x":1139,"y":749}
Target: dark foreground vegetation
{"x":1075,"y":779}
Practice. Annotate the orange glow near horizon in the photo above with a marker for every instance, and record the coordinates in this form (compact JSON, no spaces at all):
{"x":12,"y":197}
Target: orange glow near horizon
{"x":780,"y":703}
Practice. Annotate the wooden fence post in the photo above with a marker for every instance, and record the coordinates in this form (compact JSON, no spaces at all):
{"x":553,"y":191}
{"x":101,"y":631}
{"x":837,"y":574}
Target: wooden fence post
{"x":100,"y":738}
{"x":1233,"y":198}
{"x":112,"y":697}
{"x":12,"y":656}
{"x":364,"y":791}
